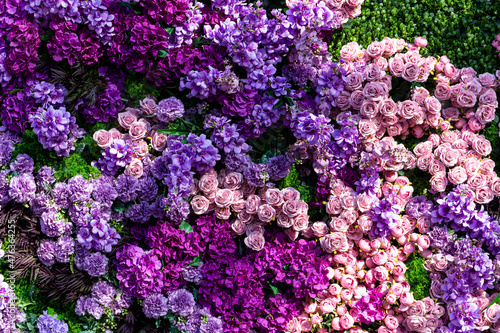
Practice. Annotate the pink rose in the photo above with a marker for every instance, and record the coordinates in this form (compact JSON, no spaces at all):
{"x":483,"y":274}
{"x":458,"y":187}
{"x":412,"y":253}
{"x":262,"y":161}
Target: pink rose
{"x":344,"y":100}
{"x":223,"y":197}
{"x":266,"y":213}
{"x":354,"y":81}
{"x":380,"y":258}
{"x":293,"y":326}
{"x":346,"y":321}
{"x":233,"y":180}
{"x":410,"y":72}
{"x":252,"y":204}
{"x":222,"y":213}
{"x":292,"y":208}
{"x":348,"y":281}
{"x":380,"y":273}
{"x":327,"y":306}
{"x":437,"y":167}
{"x":350,"y":51}
{"x":485,"y":114}
{"x":396,"y":66}
{"x":433,"y":105}
{"x":474,"y":124}
{"x":489,"y":98}
{"x":495,"y":186}
{"x":300,"y":222}
{"x":466,"y":98}
{"x":415,"y":323}
{"x":208,"y":183}
{"x":134,"y":168}
{"x":375,"y":91}
{"x":365,"y":223}
{"x":159,"y":141}
{"x":420,"y":42}
{"x":399,"y":268}
{"x":255,"y":241}
{"x":283,"y":220}
{"x":406,"y":298}
{"x":372,"y":72}
{"x":335,"y":241}
{"x":449,"y":157}
{"x":423,"y":162}
{"x":238,"y":227}
{"x":442,"y":92}
{"x":449,"y":70}
{"x":103,"y":138}
{"x":423,"y":148}
{"x":339,"y":224}
{"x":319,"y":229}
{"x":481,"y":146}
{"x":126,"y":119}
{"x":290,"y":193}
{"x":484,"y":195}
{"x":492,"y":314}
{"x":457,"y":175}
{"x":369,"y":109}
{"x":366,"y":128}
{"x":364,"y":202}
{"x":388,"y":107}
{"x":200,"y":204}
{"x":357,"y":99}
{"x":115,"y":134}
{"x":408,"y":109}
{"x":138,"y":130}
{"x":375,"y":49}
{"x":274,"y":197}
{"x":391,"y":322}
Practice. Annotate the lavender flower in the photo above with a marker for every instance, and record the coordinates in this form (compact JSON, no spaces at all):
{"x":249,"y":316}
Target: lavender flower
{"x":155,"y":306}
{"x":95,"y":264}
{"x":116,"y":156}
{"x":50,"y":324}
{"x":22,"y":164}
{"x":170,"y":109}
{"x":181,"y":302}
{"x":22,"y":188}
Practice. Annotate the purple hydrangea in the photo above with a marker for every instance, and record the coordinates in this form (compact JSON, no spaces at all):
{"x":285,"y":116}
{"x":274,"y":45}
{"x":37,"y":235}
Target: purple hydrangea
{"x":53,"y":224}
{"x":47,"y":94}
{"x":46,"y":252}
{"x":170,"y":109}
{"x":312,"y":128}
{"x":155,"y":306}
{"x":79,"y":189}
{"x":205,"y":154}
{"x":50,"y":324}
{"x":64,"y":249}
{"x":56,"y":129}
{"x":256,"y":174}
{"x":181,"y":302}
{"x":127,"y":187}
{"x":116,"y":156}
{"x":88,"y":305}
{"x":103,"y":293}
{"x":61,"y":195}
{"x":22,"y":164}
{"x":45,"y":178}
{"x":22,"y":188}
{"x":278,"y":167}
{"x":95,"y":264}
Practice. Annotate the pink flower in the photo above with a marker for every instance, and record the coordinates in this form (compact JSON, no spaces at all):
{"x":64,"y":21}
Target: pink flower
{"x":126,"y":119}
{"x":327,"y":306}
{"x":344,"y":100}
{"x":208,"y":183}
{"x":266,"y":213}
{"x":375,"y":49}
{"x":223,"y":197}
{"x":283,"y":221}
{"x":396,"y":65}
{"x":134,"y":168}
{"x":466,"y":98}
{"x":420,"y":42}
{"x":222,"y":213}
{"x":380,"y":273}
{"x":380,"y":258}
{"x":481,"y":146}
{"x":449,"y":70}
{"x":238,"y":227}
{"x":346,"y":321}
{"x":354,"y":81}
{"x":335,"y":241}
{"x":159,"y":141}
{"x":375,"y":91}
{"x":290,"y":193}
{"x":439,"y":183}
{"x":410,"y":72}
{"x":484,"y":195}
{"x":200,"y":204}
{"x":366,"y":128}
{"x":255,"y":241}
{"x":319,"y":229}
{"x":348,"y":281}
{"x":485,"y":114}
{"x":138,"y":130}
{"x":103,"y":138}
{"x":391,"y":322}
{"x":252,"y":204}
{"x":300,"y":222}
{"x":415,"y":323}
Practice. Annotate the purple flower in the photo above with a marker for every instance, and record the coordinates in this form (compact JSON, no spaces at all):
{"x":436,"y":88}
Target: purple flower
{"x":64,"y":249}
{"x":116,"y":156}
{"x":22,"y":188}
{"x":46,"y":252}
{"x":95,"y":264}
{"x":50,"y":324}
{"x":181,"y":302}
{"x":256,"y":174}
{"x":22,"y":164}
{"x":170,"y":109}
{"x":45,"y":178}
{"x":103,"y":293}
{"x":79,"y":189}
{"x":278,"y":167}
{"x":155,"y":306}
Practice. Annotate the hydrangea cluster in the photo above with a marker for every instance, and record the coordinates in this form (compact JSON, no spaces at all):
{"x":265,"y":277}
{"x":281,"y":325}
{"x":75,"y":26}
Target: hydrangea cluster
{"x":48,"y":324}
{"x":103,"y":296}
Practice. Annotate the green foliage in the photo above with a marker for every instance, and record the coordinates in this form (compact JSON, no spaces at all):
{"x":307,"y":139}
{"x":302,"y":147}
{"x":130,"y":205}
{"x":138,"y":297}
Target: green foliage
{"x":74,"y":165}
{"x":417,"y":277}
{"x":420,"y":180}
{"x":30,"y":146}
{"x":292,"y":180}
{"x":491,"y":134}
{"x":460,"y":29}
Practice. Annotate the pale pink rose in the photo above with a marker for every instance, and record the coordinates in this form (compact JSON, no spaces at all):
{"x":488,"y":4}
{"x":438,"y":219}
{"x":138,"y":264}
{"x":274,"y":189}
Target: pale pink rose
{"x":457,"y":175}
{"x":495,"y":186}
{"x":344,"y":100}
{"x":391,"y":322}
{"x":466,"y":98}
{"x":396,"y":289}
{"x":484,"y":195}
{"x":476,"y":181}
{"x":159,"y":141}
{"x":380,"y":258}
{"x":375,"y":49}
{"x":408,"y":109}
{"x":410,"y":72}
{"x":348,"y":281}
{"x":449,"y":70}
{"x":423,"y":162}
{"x":492,"y":314}
{"x":134,"y":168}
{"x":333,"y":206}
{"x":375,"y":91}
{"x":388,"y":107}
{"x":222,"y":213}
{"x":346,"y":295}
{"x":474,"y":124}
{"x":316,"y":319}
{"x":335,"y":241}
{"x":103,"y":138}
{"x":292,"y":208}
{"x":148,"y":105}
{"x":442,"y":92}
{"x":433,"y":105}
{"x":354,"y":81}
{"x":396,"y":65}
{"x":350,"y":51}
{"x":489,"y":98}
{"x":238,"y":227}
{"x":420,"y":42}
{"x":365,"y":223}
{"x":327,"y":306}
{"x":126,"y":119}
{"x":415,"y":323}
{"x":138,"y":130}
{"x":449,"y":157}
{"x":439,"y":183}
{"x":200,"y":204}
{"x":372,"y":73}
{"x":319,"y":229}
{"x":380,"y":273}
{"x":423,"y":148}
{"x":300,"y":222}
{"x":364,"y":202}
{"x":283,"y":220}
{"x":266,"y":213}
{"x":252,"y":204}
{"x":255,"y":241}
{"x":481,"y":146}
{"x":437,"y":167}
{"x":346,"y":321}
{"x":290,"y":193}
{"x":366,"y":128}
{"x":485,"y":114}
{"x":293,"y":326}
{"x":208,"y":183}
{"x":369,"y":109}
{"x":306,"y":325}
{"x":357,"y":99}
{"x":424,"y":224}
{"x":115,"y":134}
{"x":487,"y":164}
{"x":233,"y":180}
{"x":310,"y":307}
{"x":223,"y":197}
{"x":399,"y":268}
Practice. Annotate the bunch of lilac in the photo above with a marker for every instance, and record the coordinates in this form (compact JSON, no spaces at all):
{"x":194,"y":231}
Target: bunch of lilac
{"x":103,"y":296}
{"x":418,"y":207}
{"x":464,"y":315}
{"x":315,"y":129}
{"x":345,"y":143}
{"x":42,"y":10}
{"x":50,"y":324}
{"x":458,"y":211}
{"x":225,"y":135}
{"x":385,"y":216}
{"x":47,"y":94}
{"x":56,"y":129}
{"x":96,"y":234}
{"x":114,"y":157}
{"x":97,"y":17}
{"x":470,"y":270}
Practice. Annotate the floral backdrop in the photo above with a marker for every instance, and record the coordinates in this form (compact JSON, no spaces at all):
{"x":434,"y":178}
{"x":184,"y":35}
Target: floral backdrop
{"x":233,"y":166}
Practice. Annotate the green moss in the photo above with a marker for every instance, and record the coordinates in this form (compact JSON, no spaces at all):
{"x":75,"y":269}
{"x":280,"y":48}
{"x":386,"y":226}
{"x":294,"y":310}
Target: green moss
{"x":491,"y":134}
{"x":76,"y":165}
{"x":460,"y":29}
{"x":417,"y":277}
{"x":292,"y":180}
{"x":30,"y":146}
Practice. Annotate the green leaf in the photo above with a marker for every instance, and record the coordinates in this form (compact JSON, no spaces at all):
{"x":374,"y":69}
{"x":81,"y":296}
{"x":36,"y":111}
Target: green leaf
{"x":289,"y":101}
{"x":496,"y":119}
{"x":47,"y":35}
{"x":279,"y":104}
{"x":496,"y":300}
{"x":273,"y":288}
{"x":158,"y":322}
{"x":170,"y":316}
{"x":174,"y":131}
{"x":119,"y":207}
{"x":347,"y":25}
{"x":170,"y":30}
{"x":197,"y":260}
{"x":401,"y":172}
{"x":186,"y":227}
{"x":162,"y":54}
